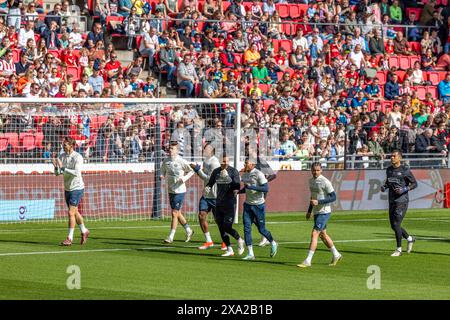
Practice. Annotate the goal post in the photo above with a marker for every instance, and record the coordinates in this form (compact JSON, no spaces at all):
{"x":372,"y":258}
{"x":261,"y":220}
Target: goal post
{"x":123,"y":142}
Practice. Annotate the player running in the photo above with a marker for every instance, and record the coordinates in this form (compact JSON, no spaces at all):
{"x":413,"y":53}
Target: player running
{"x":228,"y":185}
{"x":255,"y":187}
{"x":399,"y":181}
{"x":208,"y":200}
{"x":69,"y":166}
{"x":322,"y":195}
{"x":177,"y":171}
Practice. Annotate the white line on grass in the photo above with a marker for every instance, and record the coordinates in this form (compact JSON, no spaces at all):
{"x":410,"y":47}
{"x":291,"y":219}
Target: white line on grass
{"x":181,"y":247}
{"x":165,"y":226}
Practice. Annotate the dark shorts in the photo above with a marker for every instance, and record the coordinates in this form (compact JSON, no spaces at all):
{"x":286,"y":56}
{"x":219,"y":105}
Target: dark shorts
{"x":397,"y":212}
{"x":73,"y":198}
{"x":207,"y":205}
{"x":321,"y":220}
{"x":225,"y":213}
{"x":176,"y":200}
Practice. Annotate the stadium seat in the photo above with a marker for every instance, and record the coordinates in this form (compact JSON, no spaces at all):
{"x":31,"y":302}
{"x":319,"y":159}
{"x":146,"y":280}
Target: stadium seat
{"x":421,"y":91}
{"x":294,"y":11}
{"x":286,"y":45}
{"x":28,"y":143}
{"x":394,"y":62}
{"x":268,"y":103}
{"x":442,"y":75}
{"x":386,"y":105}
{"x":280,"y":75}
{"x":433,"y":77}
{"x":276,"y":45}
{"x":16,"y":55}
{"x":75,"y":72}
{"x":303,"y":7}
{"x":283,"y":10}
{"x":403,"y":62}
{"x":288,"y":29}
{"x":264,"y":87}
{"x":412,"y":60}
{"x":382,"y":75}
{"x":4,"y":142}
{"x":415,"y":46}
{"x":225,"y":5}
{"x":401,"y":75}
{"x":417,"y":11}
{"x":238,"y":58}
{"x":39,"y":136}
{"x":432,"y":90}
{"x":55,"y":53}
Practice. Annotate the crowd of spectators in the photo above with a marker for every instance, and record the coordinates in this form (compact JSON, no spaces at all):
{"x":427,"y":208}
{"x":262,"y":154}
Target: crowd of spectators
{"x":315,"y":78}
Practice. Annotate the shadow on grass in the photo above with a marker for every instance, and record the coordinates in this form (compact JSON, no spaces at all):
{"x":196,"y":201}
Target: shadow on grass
{"x":29,"y":242}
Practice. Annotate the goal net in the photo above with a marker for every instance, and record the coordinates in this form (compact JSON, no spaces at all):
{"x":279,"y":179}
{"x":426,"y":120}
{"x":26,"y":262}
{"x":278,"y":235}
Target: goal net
{"x":122,"y":141}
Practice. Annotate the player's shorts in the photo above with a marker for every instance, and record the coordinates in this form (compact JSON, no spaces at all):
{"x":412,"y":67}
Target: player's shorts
{"x":73,"y":198}
{"x":206,"y":205}
{"x":176,"y":200}
{"x":321,"y":220}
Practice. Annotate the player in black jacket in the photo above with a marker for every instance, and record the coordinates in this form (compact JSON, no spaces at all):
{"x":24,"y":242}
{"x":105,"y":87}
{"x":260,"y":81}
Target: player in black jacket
{"x":228,"y":184}
{"x":399,"y":181}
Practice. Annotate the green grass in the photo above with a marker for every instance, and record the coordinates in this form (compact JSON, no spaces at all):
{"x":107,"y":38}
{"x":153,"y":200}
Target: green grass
{"x":144,"y":268}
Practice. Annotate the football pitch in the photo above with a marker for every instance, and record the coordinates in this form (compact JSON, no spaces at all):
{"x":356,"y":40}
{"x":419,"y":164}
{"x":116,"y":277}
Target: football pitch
{"x":127,"y":260}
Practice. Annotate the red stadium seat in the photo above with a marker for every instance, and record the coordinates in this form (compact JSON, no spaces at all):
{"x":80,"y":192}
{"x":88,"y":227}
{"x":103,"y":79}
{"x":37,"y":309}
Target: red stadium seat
{"x":303,"y":7}
{"x":417,"y":11}
{"x":75,"y":72}
{"x":268,"y":103}
{"x":276,"y":45}
{"x":16,"y":55}
{"x":403,"y":62}
{"x":386,"y":105}
{"x":3,"y":144}
{"x":288,"y":29}
{"x":286,"y":45}
{"x":29,"y":143}
{"x":432,"y":90}
{"x":415,"y":46}
{"x":442,"y":75}
{"x":13,"y":138}
{"x":401,"y":75}
{"x":433,"y":77}
{"x":238,"y":58}
{"x":394,"y":62}
{"x":294,"y":11}
{"x":39,"y":136}
{"x":412,"y":60}
{"x":382,"y":75}
{"x":264,"y":87}
{"x":421,"y":91}
{"x":283,"y":10}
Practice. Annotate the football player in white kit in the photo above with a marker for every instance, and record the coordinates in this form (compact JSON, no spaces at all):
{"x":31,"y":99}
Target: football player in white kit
{"x":176,"y":171}
{"x":69,"y":166}
{"x":208,"y":200}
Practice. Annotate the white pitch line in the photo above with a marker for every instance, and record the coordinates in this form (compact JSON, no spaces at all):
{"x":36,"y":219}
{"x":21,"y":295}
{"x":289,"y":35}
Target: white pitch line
{"x":192,"y":246}
{"x":165,"y":226}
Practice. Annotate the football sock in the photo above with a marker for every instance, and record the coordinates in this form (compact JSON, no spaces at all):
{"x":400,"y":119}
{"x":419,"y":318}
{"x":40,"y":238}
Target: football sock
{"x":399,"y":249}
{"x":71,"y":231}
{"x":82,"y":228}
{"x":172,"y":234}
{"x":334,"y":251}
{"x":250,"y":250}
{"x":310,"y":256}
{"x":208,"y":237}
{"x":187,"y":228}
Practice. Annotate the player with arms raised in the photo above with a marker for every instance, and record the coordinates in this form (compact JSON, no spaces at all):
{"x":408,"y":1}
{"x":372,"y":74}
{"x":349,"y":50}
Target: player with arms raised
{"x":208,"y":199}
{"x":69,"y":166}
{"x":176,"y":171}
{"x":399,"y":181}
{"x":228,"y":185}
{"x":322,"y":195}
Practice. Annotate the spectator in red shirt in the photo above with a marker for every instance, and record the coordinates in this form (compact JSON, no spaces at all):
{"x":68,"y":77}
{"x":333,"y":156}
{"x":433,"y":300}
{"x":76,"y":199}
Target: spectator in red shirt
{"x":113,"y":67}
